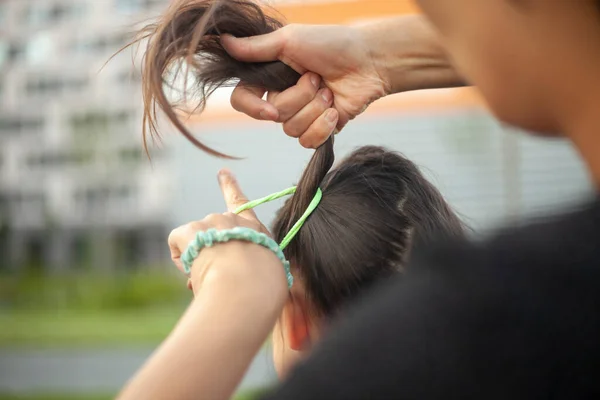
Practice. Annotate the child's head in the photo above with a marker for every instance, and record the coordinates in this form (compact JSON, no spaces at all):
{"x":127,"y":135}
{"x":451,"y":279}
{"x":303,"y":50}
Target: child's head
{"x":533,"y":60}
{"x":376,"y":204}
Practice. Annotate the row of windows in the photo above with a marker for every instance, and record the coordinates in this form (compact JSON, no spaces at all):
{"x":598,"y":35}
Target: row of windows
{"x":94,"y":122}
{"x":103,"y":195}
{"x":100,"y":44}
{"x":17,"y":124}
{"x":92,"y":197}
{"x":54,"y":85}
{"x":80,"y":158}
{"x":42,"y":46}
{"x":44,"y":13}
{"x":135,"y":6}
{"x":98,"y":123}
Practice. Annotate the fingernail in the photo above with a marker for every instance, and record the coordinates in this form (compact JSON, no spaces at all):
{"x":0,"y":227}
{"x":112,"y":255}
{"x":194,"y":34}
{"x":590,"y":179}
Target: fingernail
{"x":326,"y":95}
{"x":331,"y":116}
{"x":224,"y":174}
{"x":315,"y":80}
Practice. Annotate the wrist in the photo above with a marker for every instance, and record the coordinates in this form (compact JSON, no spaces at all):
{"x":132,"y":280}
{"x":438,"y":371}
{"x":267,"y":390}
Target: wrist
{"x":407,"y":54}
{"x":248,"y":269}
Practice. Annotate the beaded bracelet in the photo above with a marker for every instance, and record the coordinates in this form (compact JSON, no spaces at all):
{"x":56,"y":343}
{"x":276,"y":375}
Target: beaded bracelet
{"x":212,"y":236}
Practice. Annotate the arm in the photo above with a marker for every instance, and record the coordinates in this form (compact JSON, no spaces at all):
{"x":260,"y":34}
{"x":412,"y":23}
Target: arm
{"x":240,"y":289}
{"x":409,"y":55}
{"x":356,"y":66}
{"x":215,"y":341}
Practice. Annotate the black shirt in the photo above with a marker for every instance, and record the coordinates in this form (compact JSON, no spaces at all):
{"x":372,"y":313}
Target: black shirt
{"x":516,"y":316}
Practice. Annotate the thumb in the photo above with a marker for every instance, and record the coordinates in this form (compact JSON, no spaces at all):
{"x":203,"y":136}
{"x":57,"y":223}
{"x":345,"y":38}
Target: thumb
{"x":261,"y":48}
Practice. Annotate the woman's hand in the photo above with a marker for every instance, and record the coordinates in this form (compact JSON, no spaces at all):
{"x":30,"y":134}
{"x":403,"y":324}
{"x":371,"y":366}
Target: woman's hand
{"x":236,"y":258}
{"x":345,"y":69}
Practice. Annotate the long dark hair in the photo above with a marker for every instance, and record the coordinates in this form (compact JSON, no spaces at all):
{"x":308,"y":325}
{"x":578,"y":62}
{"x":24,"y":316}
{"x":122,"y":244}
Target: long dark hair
{"x":375,"y":203}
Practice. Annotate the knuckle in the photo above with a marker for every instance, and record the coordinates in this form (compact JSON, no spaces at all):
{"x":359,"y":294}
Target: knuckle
{"x":212,"y":218}
{"x":308,"y":92}
{"x":172,"y":238}
{"x":306,"y":141}
{"x":195,"y":226}
{"x":234,"y":100}
{"x":238,"y":199}
{"x":291,"y":129}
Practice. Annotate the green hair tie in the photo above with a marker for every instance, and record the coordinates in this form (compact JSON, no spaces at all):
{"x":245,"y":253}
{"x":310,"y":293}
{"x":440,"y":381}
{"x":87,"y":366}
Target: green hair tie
{"x":296,"y":228}
{"x":211,"y":236}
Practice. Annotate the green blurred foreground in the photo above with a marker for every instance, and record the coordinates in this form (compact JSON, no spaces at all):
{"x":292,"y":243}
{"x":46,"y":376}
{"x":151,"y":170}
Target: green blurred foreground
{"x":90,"y":310}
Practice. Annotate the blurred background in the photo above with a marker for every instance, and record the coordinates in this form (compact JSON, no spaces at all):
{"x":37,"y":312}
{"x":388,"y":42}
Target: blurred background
{"x":86,"y":287}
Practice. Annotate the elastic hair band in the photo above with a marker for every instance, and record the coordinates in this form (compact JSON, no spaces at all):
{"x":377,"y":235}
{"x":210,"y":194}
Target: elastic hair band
{"x":212,"y":236}
{"x":296,"y":227}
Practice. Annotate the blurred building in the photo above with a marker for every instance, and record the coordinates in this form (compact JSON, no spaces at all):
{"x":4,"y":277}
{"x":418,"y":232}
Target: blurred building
{"x":75,"y":185}
{"x":77,"y":189}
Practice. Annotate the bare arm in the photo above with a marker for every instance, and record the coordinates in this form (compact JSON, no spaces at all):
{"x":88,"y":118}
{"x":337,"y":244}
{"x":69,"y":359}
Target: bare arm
{"x":240,"y":289}
{"x":409,"y":55}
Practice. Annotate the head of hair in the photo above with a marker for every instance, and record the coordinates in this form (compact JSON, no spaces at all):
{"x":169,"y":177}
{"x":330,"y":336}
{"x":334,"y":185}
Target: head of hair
{"x":376,"y":206}
{"x":375,"y":203}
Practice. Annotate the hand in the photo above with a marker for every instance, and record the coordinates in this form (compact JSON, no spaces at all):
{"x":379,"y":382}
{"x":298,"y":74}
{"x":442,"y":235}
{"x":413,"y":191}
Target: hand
{"x":241,"y":257}
{"x":345,"y":69}
{"x":315,"y":107}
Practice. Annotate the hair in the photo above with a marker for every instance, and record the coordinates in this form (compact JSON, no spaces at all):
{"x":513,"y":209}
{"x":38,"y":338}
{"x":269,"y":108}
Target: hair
{"x":375,"y":205}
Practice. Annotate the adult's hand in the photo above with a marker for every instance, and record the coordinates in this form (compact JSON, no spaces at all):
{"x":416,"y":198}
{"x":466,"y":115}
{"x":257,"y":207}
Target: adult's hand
{"x":345,"y":68}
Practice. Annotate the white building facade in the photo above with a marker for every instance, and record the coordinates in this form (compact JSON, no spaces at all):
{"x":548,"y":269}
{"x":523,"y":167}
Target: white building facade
{"x":75,"y":185}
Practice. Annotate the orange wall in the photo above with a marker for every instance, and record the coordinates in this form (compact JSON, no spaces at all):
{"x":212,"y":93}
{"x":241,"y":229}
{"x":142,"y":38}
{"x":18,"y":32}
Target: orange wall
{"x":339,"y":12}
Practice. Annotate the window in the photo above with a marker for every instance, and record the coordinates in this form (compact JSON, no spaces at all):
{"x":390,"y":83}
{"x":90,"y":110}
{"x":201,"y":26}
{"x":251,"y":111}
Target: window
{"x":104,"y":44}
{"x":4,"y":51}
{"x":11,"y":52}
{"x":40,"y":13}
{"x":59,"y":159}
{"x":133,"y":155}
{"x":98,"y":122}
{"x":14,"y":125}
{"x":136,"y":6}
{"x":2,"y":14}
{"x":54,"y":85}
{"x":100,"y":199}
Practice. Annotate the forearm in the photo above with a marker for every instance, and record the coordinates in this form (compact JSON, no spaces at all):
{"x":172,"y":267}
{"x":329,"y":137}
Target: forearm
{"x":213,"y":344}
{"x":408,"y":54}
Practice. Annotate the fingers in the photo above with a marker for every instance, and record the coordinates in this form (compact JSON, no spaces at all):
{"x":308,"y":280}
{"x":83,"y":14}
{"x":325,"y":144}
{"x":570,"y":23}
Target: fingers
{"x":259,"y":48}
{"x":248,"y":100}
{"x":176,"y":247}
{"x":320,"y":130}
{"x":233,"y":195}
{"x":291,"y":101}
{"x":297,"y":125}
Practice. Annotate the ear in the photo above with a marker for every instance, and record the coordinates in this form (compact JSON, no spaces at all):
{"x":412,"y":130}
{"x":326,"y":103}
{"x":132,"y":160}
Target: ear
{"x":296,"y":323}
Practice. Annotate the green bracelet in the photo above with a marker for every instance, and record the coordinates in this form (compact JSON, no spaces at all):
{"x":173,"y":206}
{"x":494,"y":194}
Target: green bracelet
{"x":212,"y":236}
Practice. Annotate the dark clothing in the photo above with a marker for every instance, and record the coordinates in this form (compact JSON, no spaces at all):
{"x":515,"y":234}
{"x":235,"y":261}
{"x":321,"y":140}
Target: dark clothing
{"x":516,"y":316}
